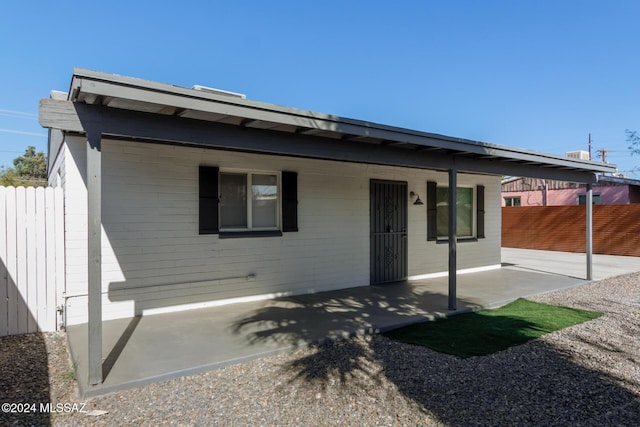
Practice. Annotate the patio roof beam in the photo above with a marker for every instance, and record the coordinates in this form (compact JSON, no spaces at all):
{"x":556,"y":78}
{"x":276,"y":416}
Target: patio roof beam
{"x":388,"y":143}
{"x":425,"y":148}
{"x":311,"y":131}
{"x":126,"y":124}
{"x":510,"y":168}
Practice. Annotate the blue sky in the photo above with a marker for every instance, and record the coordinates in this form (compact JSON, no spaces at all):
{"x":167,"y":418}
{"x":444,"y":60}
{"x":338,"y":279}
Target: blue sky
{"x":540,"y":74}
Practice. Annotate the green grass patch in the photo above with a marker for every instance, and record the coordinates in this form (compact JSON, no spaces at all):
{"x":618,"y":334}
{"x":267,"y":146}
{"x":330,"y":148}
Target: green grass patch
{"x":488,"y":331}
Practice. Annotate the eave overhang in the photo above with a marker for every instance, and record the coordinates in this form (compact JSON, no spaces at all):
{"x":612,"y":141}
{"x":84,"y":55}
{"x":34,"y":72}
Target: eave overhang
{"x":108,"y":95}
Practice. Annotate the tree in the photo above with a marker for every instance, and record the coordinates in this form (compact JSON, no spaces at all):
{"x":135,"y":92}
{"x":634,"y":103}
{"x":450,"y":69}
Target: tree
{"x":31,"y":164}
{"x":29,"y":170}
{"x":9,"y":178}
{"x":633,"y":139}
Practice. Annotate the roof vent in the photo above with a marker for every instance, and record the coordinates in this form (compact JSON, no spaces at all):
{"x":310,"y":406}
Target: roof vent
{"x":219,"y":91}
{"x":580,"y":155}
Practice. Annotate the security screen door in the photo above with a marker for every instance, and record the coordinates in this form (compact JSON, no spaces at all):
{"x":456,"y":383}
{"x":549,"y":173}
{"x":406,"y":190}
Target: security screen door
{"x":388,"y":207}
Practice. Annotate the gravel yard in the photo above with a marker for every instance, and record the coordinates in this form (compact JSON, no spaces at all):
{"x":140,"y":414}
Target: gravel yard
{"x":584,"y":375}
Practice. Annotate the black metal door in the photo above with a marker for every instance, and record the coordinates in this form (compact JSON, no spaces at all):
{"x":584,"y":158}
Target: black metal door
{"x":388,"y":201}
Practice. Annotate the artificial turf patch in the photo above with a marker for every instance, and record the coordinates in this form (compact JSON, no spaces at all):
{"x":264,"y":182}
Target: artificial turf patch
{"x":488,"y":331}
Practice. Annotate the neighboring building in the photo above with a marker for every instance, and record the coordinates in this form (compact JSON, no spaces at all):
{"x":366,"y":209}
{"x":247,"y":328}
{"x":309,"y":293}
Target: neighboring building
{"x":179,"y":198}
{"x":609,"y":190}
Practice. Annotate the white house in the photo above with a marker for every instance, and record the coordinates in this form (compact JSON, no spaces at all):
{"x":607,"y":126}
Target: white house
{"x":177,"y":198}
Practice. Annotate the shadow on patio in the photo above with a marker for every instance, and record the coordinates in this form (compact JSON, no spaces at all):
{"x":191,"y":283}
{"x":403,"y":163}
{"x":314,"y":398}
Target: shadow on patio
{"x":152,"y":348}
{"x":157,"y":347}
{"x":317,"y":318}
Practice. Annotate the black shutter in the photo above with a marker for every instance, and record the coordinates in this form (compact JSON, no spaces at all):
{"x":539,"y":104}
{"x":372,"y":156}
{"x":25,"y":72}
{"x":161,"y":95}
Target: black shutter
{"x":432,"y":211}
{"x":480,"y":211}
{"x":289,"y":201}
{"x":208,"y":181}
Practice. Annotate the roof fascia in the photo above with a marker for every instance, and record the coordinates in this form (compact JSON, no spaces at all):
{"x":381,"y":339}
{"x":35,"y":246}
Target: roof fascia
{"x":616,"y":180}
{"x":132,"y":125}
{"x":99,"y":83}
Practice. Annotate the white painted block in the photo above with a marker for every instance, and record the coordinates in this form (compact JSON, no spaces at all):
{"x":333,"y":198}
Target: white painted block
{"x":150,"y":222}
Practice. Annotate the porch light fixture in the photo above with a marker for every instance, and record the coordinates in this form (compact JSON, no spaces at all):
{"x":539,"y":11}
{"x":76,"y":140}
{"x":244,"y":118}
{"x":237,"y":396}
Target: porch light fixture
{"x":418,"y":201}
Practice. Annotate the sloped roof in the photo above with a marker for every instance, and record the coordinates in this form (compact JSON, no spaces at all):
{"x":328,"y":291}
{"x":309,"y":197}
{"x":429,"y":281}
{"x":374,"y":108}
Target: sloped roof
{"x":126,"y":93}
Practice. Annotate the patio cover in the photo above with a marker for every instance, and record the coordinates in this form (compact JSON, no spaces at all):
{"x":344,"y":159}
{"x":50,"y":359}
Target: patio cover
{"x":102,"y":105}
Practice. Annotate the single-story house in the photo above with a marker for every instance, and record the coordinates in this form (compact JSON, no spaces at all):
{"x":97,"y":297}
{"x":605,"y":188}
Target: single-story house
{"x":177,"y":198}
{"x":609,"y":190}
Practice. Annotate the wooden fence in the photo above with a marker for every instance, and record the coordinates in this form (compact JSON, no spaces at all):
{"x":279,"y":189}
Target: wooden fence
{"x":616,"y":228}
{"x":31,"y":259}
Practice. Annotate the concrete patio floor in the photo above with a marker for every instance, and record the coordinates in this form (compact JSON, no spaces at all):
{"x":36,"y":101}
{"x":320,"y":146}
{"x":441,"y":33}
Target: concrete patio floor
{"x":142,"y":350}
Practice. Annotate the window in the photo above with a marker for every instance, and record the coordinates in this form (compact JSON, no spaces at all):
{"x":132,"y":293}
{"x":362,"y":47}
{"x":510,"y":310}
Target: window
{"x":582,"y":199}
{"x":465,"y":212}
{"x":248,"y":201}
{"x":470,"y":212}
{"x":512,"y":201}
{"x":244,"y":204}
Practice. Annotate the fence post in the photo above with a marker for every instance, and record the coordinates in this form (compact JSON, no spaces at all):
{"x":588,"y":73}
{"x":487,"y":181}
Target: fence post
{"x":60,"y":277}
{"x":42,"y":282}
{"x":21,"y":254}
{"x":50,"y":254}
{"x":31,"y":258}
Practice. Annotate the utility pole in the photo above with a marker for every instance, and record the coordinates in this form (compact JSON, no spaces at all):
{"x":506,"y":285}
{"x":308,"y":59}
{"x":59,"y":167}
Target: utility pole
{"x":590,"y":157}
{"x":603,"y":154}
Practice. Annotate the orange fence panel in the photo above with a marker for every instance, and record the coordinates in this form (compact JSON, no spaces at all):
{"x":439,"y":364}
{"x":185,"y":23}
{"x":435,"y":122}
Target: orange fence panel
{"x":616,"y":228}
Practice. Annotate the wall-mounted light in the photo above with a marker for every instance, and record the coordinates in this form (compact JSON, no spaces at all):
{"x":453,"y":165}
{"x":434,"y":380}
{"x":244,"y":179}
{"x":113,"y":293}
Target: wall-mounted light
{"x":418,"y":201}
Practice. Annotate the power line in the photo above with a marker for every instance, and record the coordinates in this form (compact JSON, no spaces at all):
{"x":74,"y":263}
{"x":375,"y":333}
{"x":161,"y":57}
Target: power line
{"x":18,"y":114}
{"x":21,"y":132}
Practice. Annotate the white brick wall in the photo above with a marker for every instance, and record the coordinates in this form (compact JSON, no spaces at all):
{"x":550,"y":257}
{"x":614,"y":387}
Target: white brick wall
{"x":150,"y":229}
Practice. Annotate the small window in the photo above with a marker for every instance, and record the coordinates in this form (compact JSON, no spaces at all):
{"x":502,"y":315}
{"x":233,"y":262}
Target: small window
{"x":249,"y":201}
{"x":582,"y":199}
{"x":512,"y":201}
{"x":465,"y":210}
{"x":243,"y":204}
